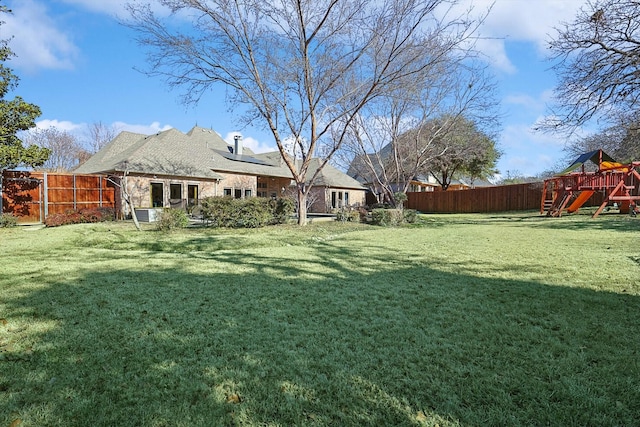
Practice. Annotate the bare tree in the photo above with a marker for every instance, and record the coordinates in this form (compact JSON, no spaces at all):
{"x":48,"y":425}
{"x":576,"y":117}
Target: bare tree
{"x":65,"y":150}
{"x":598,"y":65}
{"x":620,"y":140}
{"x":99,"y":135}
{"x":304,"y":68}
{"x":399,"y":141}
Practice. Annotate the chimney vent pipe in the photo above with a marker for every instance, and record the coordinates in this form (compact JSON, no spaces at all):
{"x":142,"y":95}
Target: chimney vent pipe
{"x":237,"y":149}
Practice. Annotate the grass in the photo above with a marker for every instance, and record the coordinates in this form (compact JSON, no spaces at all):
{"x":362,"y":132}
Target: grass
{"x":461,"y":320}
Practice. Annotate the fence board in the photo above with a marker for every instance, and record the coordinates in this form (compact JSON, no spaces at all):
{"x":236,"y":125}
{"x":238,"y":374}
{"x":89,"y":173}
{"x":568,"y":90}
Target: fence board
{"x":23,"y":194}
{"x":516,"y":197}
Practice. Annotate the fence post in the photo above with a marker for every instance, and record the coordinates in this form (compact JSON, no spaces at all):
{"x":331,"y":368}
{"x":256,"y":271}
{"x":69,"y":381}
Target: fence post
{"x":46,"y":194}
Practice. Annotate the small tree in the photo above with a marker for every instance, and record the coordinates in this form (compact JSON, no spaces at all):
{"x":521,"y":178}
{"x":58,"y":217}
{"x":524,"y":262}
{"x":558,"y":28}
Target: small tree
{"x":462,"y":150}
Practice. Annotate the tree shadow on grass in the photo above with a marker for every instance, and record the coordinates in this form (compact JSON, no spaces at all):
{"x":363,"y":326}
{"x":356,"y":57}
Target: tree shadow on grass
{"x":368,"y":341}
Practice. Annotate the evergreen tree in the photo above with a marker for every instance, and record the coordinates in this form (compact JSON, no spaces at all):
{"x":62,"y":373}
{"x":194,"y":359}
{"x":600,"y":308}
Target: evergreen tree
{"x":15,"y":115}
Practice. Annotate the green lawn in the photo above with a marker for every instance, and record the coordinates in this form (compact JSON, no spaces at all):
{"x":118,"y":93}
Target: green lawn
{"x":461,"y":320}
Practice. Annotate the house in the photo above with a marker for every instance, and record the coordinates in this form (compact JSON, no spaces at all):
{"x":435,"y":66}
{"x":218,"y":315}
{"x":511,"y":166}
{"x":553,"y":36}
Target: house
{"x":174,"y":169}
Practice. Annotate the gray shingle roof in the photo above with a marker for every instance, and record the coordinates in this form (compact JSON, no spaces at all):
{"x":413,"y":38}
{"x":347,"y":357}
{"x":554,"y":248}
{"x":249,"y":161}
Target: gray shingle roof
{"x":200,"y":153}
{"x":329,"y":176}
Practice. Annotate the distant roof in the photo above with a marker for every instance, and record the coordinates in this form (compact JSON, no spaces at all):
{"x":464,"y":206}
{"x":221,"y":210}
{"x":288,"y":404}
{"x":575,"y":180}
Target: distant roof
{"x":329,"y":176}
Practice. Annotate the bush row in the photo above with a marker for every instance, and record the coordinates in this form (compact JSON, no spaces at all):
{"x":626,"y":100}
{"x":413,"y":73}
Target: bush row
{"x":245,"y":213}
{"x":391,"y":217}
{"x":78,"y":216}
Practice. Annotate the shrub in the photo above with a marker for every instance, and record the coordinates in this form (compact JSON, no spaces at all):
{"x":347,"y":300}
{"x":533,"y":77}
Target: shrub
{"x":245,"y":213}
{"x":107,"y":214}
{"x":252,"y":213}
{"x":387,"y":217}
{"x":363,"y":213}
{"x":170,"y":219}
{"x":410,"y":216}
{"x":281,"y":209}
{"x":346,"y":214}
{"x":217,"y":211}
{"x":80,"y":216}
{"x":8,"y":220}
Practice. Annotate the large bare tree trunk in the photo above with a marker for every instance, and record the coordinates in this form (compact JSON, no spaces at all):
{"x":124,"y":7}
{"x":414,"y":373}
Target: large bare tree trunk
{"x":302,"y":206}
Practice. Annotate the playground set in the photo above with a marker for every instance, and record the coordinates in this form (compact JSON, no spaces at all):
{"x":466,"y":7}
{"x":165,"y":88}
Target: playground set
{"x":619,"y":183}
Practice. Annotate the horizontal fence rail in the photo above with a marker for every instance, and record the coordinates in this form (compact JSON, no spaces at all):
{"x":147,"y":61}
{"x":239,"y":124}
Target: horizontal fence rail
{"x":32,"y":196}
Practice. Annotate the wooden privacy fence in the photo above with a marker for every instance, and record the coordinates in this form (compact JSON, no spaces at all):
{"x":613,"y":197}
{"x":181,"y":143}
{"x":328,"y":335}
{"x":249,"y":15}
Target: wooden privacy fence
{"x":516,"y":197}
{"x":32,"y":196}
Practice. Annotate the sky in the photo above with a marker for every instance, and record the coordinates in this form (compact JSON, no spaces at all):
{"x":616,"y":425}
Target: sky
{"x":81,"y":66}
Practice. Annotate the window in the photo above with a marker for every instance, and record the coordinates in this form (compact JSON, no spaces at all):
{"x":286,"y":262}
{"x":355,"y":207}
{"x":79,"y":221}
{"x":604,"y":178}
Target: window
{"x":227,"y":191}
{"x":175,"y":195}
{"x":238,"y":193}
{"x":157,"y":195}
{"x":339,"y":199}
{"x":247,"y":193}
{"x":175,"y":191}
{"x":263,"y":194}
{"x":262,"y":185}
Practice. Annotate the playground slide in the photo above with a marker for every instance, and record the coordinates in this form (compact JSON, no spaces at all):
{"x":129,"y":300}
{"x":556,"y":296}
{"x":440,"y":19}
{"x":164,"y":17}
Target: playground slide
{"x":579,"y":201}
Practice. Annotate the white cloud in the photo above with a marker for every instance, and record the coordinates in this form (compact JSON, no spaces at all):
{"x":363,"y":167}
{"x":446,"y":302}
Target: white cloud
{"x":249,"y":142}
{"x":62,"y":125}
{"x":520,"y":21}
{"x":38,"y":41}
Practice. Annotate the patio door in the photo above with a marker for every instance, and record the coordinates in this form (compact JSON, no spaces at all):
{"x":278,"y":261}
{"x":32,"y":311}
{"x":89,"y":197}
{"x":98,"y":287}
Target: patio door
{"x":192,"y":195}
{"x":157,"y":195}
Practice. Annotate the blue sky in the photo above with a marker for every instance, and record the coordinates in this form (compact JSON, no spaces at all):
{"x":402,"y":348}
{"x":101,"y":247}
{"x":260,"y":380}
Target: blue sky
{"x":79,"y":65}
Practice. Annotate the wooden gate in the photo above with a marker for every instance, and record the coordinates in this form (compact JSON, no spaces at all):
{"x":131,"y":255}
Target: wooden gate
{"x":22,"y":196}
